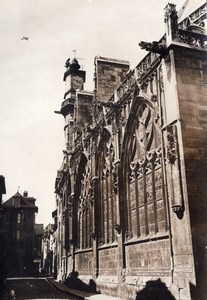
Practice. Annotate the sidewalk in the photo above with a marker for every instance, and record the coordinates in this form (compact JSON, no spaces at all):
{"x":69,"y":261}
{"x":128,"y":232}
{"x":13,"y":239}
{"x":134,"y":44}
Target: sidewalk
{"x":80,"y":294}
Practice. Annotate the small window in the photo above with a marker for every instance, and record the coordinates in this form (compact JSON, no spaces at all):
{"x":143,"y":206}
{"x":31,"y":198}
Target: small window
{"x":18,"y":235}
{"x":18,"y":218}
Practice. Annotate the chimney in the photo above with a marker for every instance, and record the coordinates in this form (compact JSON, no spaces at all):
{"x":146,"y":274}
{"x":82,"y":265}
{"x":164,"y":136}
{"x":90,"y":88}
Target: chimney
{"x":25,"y":194}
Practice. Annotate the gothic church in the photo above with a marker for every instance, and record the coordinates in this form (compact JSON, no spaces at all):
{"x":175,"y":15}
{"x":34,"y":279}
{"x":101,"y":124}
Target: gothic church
{"x":131,"y":192}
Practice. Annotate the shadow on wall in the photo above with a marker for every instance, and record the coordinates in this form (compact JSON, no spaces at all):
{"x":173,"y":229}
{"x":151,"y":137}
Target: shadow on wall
{"x":199,"y":292}
{"x":155,"y":290}
{"x":73,"y":282}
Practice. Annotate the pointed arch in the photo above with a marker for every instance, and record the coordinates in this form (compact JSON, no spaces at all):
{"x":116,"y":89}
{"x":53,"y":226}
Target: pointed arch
{"x":106,"y":200}
{"x":142,"y":188}
{"x":83,"y":204}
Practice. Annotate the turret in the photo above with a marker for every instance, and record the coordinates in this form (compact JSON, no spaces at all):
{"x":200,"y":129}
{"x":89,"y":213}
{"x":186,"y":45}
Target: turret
{"x":74,"y":79}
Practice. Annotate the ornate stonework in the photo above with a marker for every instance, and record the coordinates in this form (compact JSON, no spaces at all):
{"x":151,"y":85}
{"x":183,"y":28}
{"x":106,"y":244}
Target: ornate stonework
{"x":136,"y":173}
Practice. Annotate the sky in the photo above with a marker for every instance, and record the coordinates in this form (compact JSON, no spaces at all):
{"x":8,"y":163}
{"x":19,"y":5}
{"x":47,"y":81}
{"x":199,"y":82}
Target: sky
{"x":31,"y":77}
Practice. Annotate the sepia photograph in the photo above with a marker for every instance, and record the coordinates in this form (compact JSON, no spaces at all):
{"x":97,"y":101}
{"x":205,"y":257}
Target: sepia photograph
{"x":103,"y":149}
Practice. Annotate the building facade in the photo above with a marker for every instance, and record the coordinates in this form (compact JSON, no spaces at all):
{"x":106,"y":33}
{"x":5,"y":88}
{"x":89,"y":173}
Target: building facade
{"x":48,"y":250}
{"x":131,"y":191}
{"x":38,"y":238}
{"x":18,"y":225}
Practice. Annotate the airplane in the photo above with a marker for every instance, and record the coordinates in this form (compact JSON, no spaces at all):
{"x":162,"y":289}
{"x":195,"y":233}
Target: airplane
{"x":24,"y":38}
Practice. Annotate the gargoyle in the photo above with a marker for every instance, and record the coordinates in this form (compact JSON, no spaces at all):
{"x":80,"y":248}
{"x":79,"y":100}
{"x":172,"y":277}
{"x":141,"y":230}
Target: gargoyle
{"x":155,"y":47}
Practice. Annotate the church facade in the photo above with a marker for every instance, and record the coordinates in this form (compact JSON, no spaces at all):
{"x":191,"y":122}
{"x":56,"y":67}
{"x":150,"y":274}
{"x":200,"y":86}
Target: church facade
{"x":131,"y":192}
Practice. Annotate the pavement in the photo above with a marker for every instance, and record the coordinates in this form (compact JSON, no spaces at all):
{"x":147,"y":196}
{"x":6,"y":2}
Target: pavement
{"x":80,"y":294}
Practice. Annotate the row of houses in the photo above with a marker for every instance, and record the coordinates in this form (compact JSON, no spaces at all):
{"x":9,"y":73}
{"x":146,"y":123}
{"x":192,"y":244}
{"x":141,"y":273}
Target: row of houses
{"x":131,"y":191}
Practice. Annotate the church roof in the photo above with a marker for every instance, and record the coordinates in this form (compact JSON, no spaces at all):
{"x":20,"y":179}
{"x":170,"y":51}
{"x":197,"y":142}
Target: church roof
{"x":189,"y":7}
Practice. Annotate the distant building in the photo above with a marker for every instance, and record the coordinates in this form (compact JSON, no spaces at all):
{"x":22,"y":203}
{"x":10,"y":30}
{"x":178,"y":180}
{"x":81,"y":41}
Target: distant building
{"x":131,"y":190}
{"x":38,"y":236}
{"x":18,"y":231}
{"x":55,"y":243}
{"x":48,"y":249}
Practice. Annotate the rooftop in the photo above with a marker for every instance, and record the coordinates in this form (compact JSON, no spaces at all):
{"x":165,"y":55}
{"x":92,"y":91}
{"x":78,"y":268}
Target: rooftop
{"x":19,"y":201}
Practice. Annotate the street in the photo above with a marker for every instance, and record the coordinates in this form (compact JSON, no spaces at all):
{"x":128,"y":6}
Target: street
{"x":35,"y":288}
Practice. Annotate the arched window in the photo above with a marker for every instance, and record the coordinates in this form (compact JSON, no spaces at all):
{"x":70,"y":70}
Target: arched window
{"x":84,"y":209}
{"x":144,"y":188}
{"x":106,"y":200}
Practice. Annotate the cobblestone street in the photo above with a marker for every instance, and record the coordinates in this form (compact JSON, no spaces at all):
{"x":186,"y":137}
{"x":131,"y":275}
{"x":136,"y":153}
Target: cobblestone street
{"x":35,"y":288}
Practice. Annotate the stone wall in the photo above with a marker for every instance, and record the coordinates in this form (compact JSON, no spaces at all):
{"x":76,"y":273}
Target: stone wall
{"x":191,"y":73}
{"x":149,"y":258}
{"x":83,"y":262}
{"x":109,"y":74}
{"x":108,"y":261}
{"x":84,"y":107}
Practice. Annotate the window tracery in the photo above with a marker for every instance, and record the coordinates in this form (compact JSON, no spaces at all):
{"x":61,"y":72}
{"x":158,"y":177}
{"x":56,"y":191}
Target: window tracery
{"x":85,"y":210}
{"x":108,"y":188}
{"x":146,"y":208}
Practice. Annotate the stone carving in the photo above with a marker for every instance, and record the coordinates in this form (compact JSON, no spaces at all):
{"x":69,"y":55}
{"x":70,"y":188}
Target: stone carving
{"x":193,"y":39}
{"x":155,"y":47}
{"x":133,"y":171}
{"x":70,"y":205}
{"x":175,"y":184}
{"x":120,"y":120}
{"x":129,"y":235}
{"x":63,"y":216}
{"x":157,"y":158}
{"x":117,"y":227}
{"x":172,"y":154}
{"x":195,"y":18}
{"x":146,"y":65}
{"x":81,"y":204}
{"x":91,"y":195}
{"x":86,"y":191}
{"x":178,"y":210}
{"x":171,"y":19}
{"x":115,"y":170}
{"x":170,"y":10}
{"x":161,"y":78}
{"x":126,"y":87}
{"x":145,"y":166}
{"x":93,"y":235}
